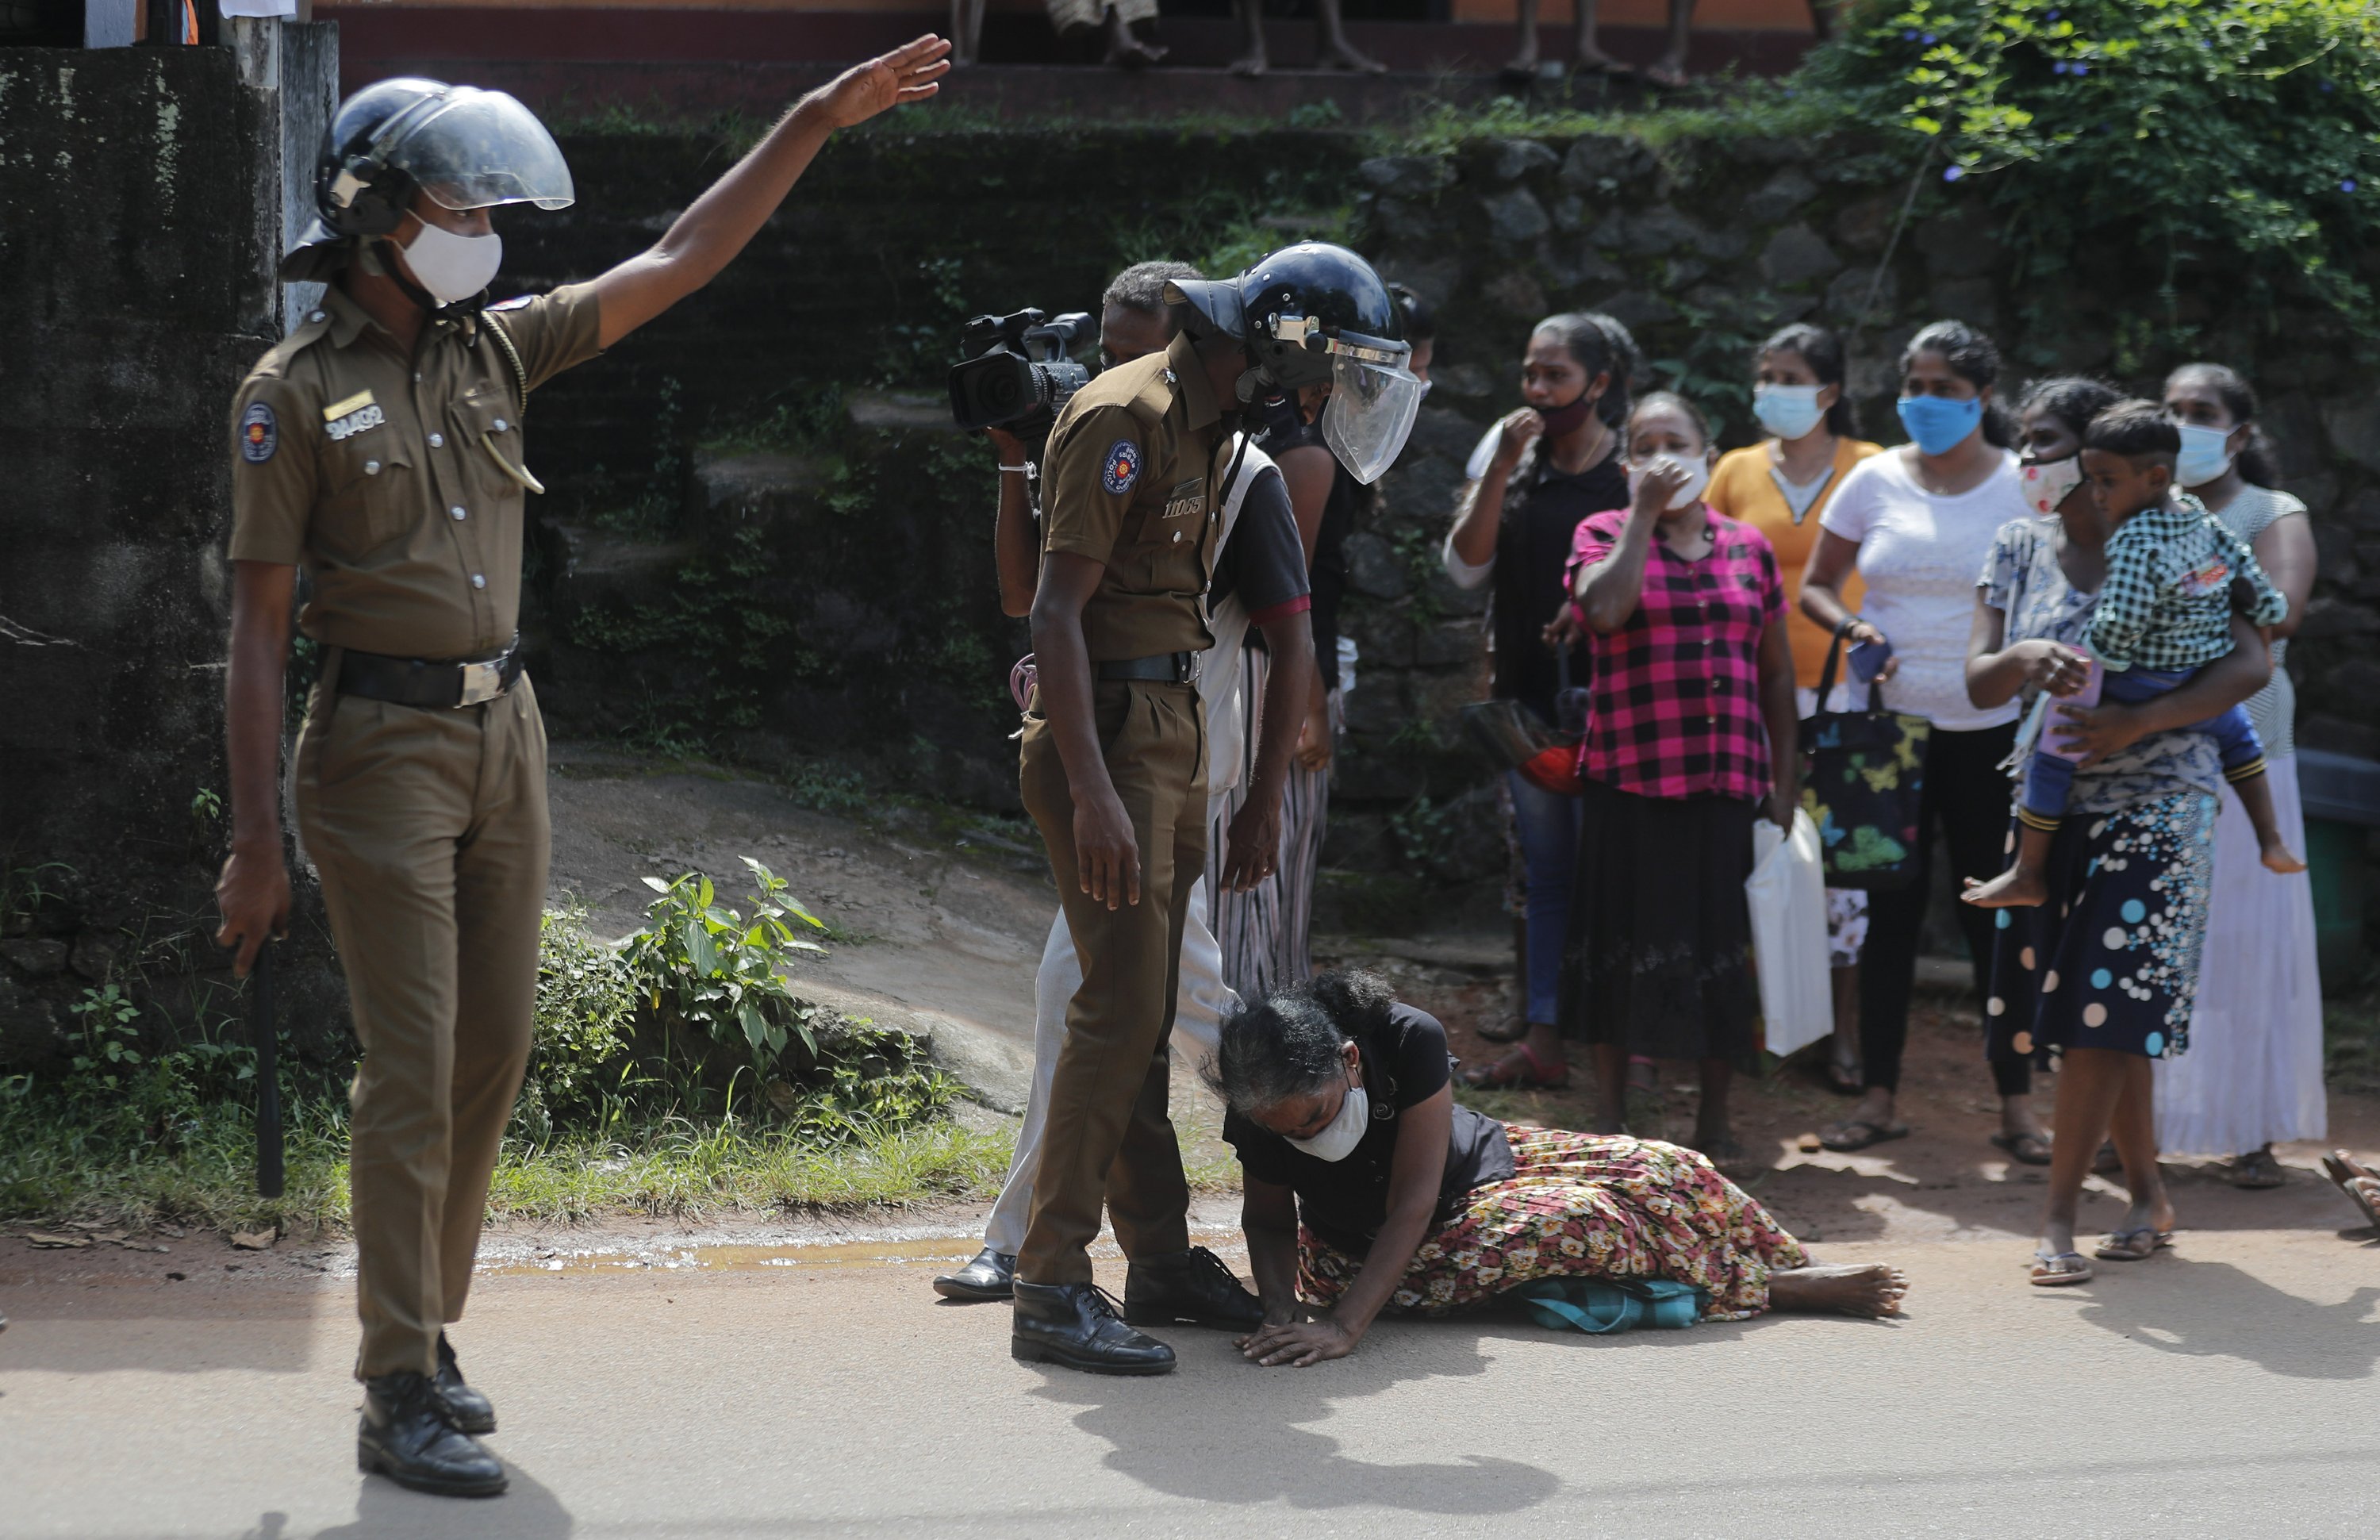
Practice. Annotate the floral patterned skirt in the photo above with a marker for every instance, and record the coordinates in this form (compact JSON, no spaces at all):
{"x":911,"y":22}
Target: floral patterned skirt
{"x":1586,"y":1203}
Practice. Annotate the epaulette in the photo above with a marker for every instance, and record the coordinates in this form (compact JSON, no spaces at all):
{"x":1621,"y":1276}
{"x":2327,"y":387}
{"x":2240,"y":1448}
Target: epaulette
{"x":1145,"y":387}
{"x":305,"y":335}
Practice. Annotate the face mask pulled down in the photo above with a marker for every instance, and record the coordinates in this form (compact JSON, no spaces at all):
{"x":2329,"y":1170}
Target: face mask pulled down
{"x":451,"y":267}
{"x":1338,"y":1140}
{"x":1697,"y":478}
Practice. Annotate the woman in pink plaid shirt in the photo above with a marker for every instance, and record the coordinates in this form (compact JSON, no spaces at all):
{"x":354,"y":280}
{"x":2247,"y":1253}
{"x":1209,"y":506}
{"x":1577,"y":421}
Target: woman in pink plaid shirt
{"x":1690,"y":735}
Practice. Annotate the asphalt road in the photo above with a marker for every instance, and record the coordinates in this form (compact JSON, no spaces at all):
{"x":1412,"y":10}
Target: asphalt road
{"x":2226,"y":1388}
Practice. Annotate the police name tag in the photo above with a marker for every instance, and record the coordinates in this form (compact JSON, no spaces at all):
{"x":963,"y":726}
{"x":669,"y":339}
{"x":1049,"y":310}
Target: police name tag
{"x":348,"y":417}
{"x":1186,"y":498}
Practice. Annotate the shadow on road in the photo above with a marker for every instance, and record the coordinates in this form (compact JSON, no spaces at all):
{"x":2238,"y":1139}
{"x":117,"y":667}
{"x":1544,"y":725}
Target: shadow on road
{"x":1255,"y":1444}
{"x":386,"y":1511}
{"x":2214,"y":1310}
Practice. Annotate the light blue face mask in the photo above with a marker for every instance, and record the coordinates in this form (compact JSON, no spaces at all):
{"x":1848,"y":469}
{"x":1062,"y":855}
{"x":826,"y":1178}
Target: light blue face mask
{"x":2205,"y":455}
{"x":1939,"y":423}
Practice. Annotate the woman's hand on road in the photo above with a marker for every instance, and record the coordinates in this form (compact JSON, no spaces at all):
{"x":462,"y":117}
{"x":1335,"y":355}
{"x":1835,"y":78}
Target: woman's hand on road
{"x":1301,"y":1344}
{"x":1520,"y":430}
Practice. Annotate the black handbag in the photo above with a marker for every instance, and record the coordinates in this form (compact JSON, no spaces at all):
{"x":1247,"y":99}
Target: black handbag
{"x":1862,"y":775}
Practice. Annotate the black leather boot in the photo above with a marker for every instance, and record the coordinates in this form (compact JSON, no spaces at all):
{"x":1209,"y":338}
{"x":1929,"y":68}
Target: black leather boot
{"x":1191,"y":1287}
{"x":987,"y":1277}
{"x":405,"y":1436}
{"x":467,"y":1409}
{"x":1075,"y":1326}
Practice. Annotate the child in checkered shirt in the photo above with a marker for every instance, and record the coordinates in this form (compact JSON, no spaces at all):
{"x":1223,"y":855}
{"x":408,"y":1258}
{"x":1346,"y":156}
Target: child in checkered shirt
{"x":2174,"y":575}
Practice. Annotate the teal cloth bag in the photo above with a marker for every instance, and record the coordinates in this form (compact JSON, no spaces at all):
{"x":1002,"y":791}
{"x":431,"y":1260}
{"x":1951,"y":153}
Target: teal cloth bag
{"x":1600,"y":1306}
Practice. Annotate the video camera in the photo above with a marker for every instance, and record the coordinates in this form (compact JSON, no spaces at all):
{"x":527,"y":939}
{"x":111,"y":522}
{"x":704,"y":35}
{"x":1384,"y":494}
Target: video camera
{"x":1020,"y":377}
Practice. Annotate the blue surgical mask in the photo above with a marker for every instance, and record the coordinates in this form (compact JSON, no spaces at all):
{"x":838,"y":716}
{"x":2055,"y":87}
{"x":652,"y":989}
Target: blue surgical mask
{"x":1939,"y":423}
{"x":2205,"y":455}
{"x":1788,"y":411}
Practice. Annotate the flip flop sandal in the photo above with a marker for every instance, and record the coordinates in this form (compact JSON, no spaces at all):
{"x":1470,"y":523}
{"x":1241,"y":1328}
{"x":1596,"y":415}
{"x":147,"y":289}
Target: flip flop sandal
{"x":1861,"y":1133}
{"x":2364,"y":1192}
{"x":2025,"y":1149}
{"x":2257,"y":1170}
{"x":2134,"y":1245}
{"x":2343,"y":1168}
{"x":1844,"y":1076}
{"x":2060,"y":1270}
{"x":1532,"y":1074}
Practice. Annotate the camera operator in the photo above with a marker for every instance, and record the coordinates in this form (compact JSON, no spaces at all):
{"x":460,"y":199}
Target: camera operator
{"x":1112,"y":760}
{"x":1260,"y":579}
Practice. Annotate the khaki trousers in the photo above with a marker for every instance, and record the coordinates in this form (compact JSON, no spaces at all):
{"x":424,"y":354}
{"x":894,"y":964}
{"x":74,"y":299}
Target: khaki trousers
{"x":1109,"y":1140}
{"x":429,"y":828}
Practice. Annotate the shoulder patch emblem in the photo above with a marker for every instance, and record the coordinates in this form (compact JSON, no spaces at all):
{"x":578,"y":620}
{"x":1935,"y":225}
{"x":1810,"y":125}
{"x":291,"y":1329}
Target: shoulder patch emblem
{"x":1121,"y":471}
{"x":260,"y":433}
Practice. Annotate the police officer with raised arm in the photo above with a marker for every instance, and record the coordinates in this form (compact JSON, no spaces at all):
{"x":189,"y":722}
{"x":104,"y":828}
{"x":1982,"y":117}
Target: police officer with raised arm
{"x":1112,"y":763}
{"x":380,"y":446}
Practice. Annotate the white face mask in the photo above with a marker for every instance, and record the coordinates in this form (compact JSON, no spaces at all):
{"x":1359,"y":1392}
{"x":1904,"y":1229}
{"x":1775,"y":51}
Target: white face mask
{"x":453,"y":267}
{"x":1345,"y":1132}
{"x":2050,"y":483}
{"x":1697,"y":478}
{"x":1788,"y":411}
{"x":2205,"y":455}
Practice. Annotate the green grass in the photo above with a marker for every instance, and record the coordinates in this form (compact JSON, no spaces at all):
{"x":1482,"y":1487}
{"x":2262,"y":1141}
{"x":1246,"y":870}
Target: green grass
{"x":57,"y":1164}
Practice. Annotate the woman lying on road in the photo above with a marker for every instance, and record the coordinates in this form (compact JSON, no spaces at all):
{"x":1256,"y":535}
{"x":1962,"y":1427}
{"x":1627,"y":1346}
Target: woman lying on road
{"x":1352,"y":1152}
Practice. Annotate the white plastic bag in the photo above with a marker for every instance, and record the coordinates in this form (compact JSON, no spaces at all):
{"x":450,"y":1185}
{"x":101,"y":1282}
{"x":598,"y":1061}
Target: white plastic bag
{"x":1787,"y":892}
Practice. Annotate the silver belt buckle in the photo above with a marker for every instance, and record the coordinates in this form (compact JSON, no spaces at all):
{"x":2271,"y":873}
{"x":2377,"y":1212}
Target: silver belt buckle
{"x":482,"y":682}
{"x":1191,"y":671}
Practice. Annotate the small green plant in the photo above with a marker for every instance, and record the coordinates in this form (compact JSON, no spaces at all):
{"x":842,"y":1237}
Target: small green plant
{"x":111,"y":1035}
{"x":703,"y":967}
{"x":580,"y":1071}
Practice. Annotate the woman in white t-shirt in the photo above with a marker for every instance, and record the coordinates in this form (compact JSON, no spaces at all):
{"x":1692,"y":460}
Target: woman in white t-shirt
{"x":1918,"y":522}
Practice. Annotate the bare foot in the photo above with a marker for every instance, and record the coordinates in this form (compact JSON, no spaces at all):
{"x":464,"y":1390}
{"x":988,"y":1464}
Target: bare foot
{"x":1344,"y":56}
{"x":2277,"y":858}
{"x":1595,"y":61}
{"x":1251,"y":64}
{"x":1872,"y":1289}
{"x":2016,"y":888}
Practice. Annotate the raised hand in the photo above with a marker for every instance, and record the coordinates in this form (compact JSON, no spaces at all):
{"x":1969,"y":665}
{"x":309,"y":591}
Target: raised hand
{"x":909,"y":73}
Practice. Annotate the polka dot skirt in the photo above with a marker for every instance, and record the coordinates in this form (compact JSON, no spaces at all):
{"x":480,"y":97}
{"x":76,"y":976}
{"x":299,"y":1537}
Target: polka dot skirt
{"x":2111,"y":960}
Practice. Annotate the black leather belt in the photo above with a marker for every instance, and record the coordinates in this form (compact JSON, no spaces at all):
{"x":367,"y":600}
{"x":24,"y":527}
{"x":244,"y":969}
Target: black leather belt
{"x":415,"y":682}
{"x":1163,"y":668}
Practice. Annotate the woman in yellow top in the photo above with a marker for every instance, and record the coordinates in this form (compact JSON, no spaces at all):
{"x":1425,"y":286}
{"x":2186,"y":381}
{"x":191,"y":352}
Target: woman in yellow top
{"x":1779,"y":487}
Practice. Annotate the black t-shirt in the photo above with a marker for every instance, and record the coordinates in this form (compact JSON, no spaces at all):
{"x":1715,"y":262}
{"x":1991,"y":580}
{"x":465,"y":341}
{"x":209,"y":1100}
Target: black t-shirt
{"x":1345,"y":1202}
{"x":1542,"y":510}
{"x":1263,"y":562}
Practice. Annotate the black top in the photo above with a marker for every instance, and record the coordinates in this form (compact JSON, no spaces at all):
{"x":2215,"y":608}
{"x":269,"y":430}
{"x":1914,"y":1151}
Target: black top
{"x":1262,"y":561}
{"x":1329,"y":575}
{"x":1345,"y":1202}
{"x":1542,"y":510}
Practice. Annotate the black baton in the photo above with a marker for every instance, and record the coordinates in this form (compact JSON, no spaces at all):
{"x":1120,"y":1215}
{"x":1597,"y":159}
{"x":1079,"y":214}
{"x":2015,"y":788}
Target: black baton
{"x":268,"y":1078}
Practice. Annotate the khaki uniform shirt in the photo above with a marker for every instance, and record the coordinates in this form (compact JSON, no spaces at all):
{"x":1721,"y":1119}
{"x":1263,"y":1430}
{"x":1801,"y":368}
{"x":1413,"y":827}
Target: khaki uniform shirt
{"x":1128,"y":481}
{"x":387,"y":477}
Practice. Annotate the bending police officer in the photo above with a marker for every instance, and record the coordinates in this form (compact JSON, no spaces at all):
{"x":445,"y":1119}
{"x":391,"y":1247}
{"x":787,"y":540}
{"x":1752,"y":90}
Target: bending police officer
{"x":1111,"y":767}
{"x":380,"y":446}
{"x":1260,"y":579}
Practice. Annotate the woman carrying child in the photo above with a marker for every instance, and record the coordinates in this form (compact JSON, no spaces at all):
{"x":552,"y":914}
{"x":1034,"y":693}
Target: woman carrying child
{"x":2105,"y":975}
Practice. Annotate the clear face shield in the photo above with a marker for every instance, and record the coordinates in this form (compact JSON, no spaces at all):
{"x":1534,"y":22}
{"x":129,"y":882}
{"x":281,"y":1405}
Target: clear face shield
{"x":473,"y":148}
{"x":1373,"y":398}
